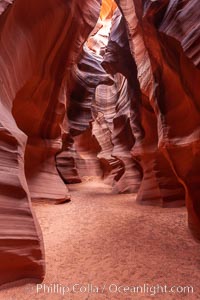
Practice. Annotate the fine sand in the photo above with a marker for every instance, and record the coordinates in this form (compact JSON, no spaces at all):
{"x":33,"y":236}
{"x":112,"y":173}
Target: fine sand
{"x":102,"y":241}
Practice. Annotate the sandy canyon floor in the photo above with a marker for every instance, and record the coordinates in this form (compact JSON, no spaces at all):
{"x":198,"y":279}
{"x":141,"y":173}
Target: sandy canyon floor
{"x":103,"y":241}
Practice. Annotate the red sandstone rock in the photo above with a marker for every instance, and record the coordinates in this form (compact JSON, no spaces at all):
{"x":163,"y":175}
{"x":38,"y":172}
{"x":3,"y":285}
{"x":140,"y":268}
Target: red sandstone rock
{"x":34,"y":57}
{"x":141,"y":98}
{"x":101,"y":101}
{"x":164,"y":38}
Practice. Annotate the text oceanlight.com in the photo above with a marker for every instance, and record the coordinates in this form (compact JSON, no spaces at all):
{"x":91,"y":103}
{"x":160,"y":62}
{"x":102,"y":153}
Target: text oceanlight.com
{"x":113,"y":288}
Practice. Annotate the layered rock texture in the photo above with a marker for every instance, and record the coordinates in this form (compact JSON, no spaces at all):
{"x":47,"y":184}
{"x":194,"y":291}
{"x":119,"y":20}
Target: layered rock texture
{"x":164,"y":41}
{"x":100,"y":109}
{"x":112,"y":93}
{"x":35,"y":56}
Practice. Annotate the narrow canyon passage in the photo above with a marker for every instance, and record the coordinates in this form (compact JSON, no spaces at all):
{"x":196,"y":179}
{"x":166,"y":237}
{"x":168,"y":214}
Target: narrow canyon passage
{"x":100,"y":105}
{"x":101,"y":239}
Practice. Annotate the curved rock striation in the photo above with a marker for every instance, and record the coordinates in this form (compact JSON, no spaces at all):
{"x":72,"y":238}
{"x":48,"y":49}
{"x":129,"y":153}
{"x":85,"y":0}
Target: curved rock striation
{"x":119,"y":62}
{"x":35,"y":64}
{"x":86,"y":75}
{"x":100,"y":109}
{"x":163,"y":38}
{"x":159,"y":184}
{"x":132,"y":101}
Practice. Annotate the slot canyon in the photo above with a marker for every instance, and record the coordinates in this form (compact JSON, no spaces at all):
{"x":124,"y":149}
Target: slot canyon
{"x":99,"y":148}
